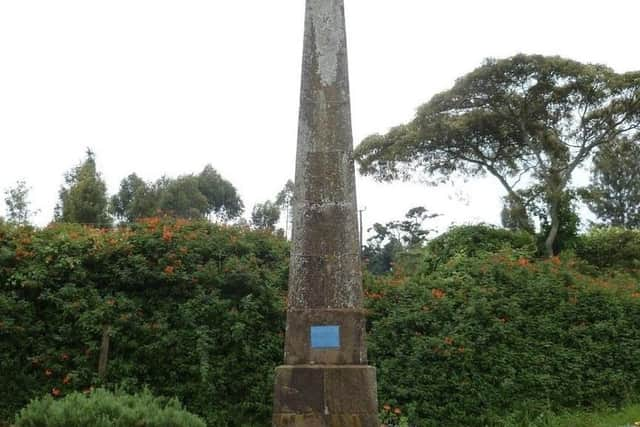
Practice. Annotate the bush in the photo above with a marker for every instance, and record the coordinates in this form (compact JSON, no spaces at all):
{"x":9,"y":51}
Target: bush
{"x":104,"y":409}
{"x":610,"y":248}
{"x":192,"y":309}
{"x":486,"y":336}
{"x":472,"y":240}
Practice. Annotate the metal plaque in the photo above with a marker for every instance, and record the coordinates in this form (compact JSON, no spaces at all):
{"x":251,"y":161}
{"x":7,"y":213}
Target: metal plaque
{"x":325,"y":337}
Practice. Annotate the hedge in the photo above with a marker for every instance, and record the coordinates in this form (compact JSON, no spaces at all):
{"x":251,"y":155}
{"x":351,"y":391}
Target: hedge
{"x":193,"y":310}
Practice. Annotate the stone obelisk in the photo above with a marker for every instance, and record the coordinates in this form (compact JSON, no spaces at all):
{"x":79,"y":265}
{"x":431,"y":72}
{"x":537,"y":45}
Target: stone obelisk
{"x":325,"y":380}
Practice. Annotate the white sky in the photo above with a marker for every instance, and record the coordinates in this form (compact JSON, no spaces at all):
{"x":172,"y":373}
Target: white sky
{"x":164,"y":87}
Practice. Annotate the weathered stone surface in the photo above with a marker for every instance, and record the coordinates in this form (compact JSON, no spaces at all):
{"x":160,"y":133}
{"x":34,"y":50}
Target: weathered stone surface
{"x":325,"y":386}
{"x":342,"y":396}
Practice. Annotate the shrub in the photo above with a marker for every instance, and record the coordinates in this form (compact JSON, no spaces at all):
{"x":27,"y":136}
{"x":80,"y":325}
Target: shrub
{"x":610,"y":248}
{"x":192,"y":309}
{"x":472,"y":240}
{"x":485,"y":336}
{"x":105,"y":409}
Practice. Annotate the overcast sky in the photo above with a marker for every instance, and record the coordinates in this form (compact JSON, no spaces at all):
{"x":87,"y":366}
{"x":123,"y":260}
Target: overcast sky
{"x":164,"y":87}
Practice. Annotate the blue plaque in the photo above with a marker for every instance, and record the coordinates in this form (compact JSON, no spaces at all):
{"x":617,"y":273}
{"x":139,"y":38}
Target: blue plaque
{"x":325,"y":337}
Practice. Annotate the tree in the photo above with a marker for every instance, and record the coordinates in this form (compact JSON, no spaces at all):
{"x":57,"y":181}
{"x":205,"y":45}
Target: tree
{"x":222,"y":198}
{"x":524,"y":120}
{"x":135,"y":199}
{"x":182,"y":198}
{"x":17,"y":202}
{"x":395,"y":237}
{"x":265,"y":215}
{"x":614,"y":193}
{"x":284,"y":200}
{"x":83,"y":198}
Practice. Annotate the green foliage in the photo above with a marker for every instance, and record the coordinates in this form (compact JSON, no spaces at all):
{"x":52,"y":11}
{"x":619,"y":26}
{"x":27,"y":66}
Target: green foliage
{"x":487,"y":335}
{"x":188,"y":196}
{"x":568,"y":223}
{"x":614,"y":193}
{"x":83,"y":198}
{"x":101,"y":408}
{"x":265,"y":215}
{"x":474,"y":240}
{"x":17,"y":202}
{"x":396,"y":239}
{"x":135,"y":199}
{"x":610,"y":248}
{"x":195,"y":311}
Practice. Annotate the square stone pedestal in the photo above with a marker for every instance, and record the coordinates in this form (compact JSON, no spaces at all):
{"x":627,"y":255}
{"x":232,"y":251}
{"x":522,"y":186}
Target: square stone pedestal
{"x":325,"y":396}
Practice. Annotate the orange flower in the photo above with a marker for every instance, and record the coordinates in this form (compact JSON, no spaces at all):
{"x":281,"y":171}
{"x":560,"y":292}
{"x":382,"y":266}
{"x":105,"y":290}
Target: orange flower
{"x":523,"y":262}
{"x":48,"y":372}
{"x":168,"y":270}
{"x":387,"y":407}
{"x":461,"y":349}
{"x":55,"y":392}
{"x":64,"y":356}
{"x":167,"y":234}
{"x":397,"y":411}
{"x":448,"y":340}
{"x":67,"y":379}
{"x":437,"y":293}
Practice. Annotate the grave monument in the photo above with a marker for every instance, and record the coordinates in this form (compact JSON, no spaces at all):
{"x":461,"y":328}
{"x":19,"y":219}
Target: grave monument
{"x":325,"y":380}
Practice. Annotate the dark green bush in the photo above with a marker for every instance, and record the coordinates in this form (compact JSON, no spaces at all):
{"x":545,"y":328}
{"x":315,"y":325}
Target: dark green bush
{"x":472,"y":240}
{"x":102,"y":408}
{"x":610,"y":248}
{"x":193,"y":310}
{"x":485,"y":336}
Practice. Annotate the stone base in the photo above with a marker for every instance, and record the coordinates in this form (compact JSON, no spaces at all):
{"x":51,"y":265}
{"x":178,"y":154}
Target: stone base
{"x":325,"y":396}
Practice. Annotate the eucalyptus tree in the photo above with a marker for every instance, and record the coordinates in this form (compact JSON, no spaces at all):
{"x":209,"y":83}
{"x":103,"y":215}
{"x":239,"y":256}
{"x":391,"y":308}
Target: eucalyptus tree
{"x":614,"y":192}
{"x":529,"y":121}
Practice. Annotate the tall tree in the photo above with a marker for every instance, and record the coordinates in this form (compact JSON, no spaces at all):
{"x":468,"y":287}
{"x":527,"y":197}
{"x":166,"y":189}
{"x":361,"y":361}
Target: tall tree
{"x":265,"y":215}
{"x":396,"y":237}
{"x":223,"y":200}
{"x":181,"y":197}
{"x":83,"y":197}
{"x":135,"y":199}
{"x":18,"y":205}
{"x":525,"y":119}
{"x":284,"y":200}
{"x":614,"y":193}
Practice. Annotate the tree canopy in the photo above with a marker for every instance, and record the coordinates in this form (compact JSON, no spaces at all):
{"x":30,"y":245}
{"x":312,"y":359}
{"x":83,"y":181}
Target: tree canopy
{"x":83,"y":197}
{"x":529,"y":120}
{"x":187,"y":196}
{"x":18,"y":205}
{"x":614,"y":193}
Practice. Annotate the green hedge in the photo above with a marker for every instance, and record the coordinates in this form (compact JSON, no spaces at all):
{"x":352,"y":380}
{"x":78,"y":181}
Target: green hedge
{"x":101,"y":408}
{"x":482,"y":338}
{"x":194,"y":310}
{"x":610,"y":248}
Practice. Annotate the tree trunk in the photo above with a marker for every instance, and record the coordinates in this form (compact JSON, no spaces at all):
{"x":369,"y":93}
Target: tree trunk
{"x":104,"y":352}
{"x":554,"y":208}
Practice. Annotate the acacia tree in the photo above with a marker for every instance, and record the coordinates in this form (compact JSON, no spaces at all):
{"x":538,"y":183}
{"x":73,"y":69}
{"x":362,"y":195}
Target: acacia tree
{"x":614,"y":193}
{"x":529,"y":121}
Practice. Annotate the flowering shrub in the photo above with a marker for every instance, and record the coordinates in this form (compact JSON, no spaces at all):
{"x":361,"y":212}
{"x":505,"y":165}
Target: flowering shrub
{"x":613,"y":247}
{"x":191,"y":309}
{"x":104,"y":409}
{"x":479,"y":338}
